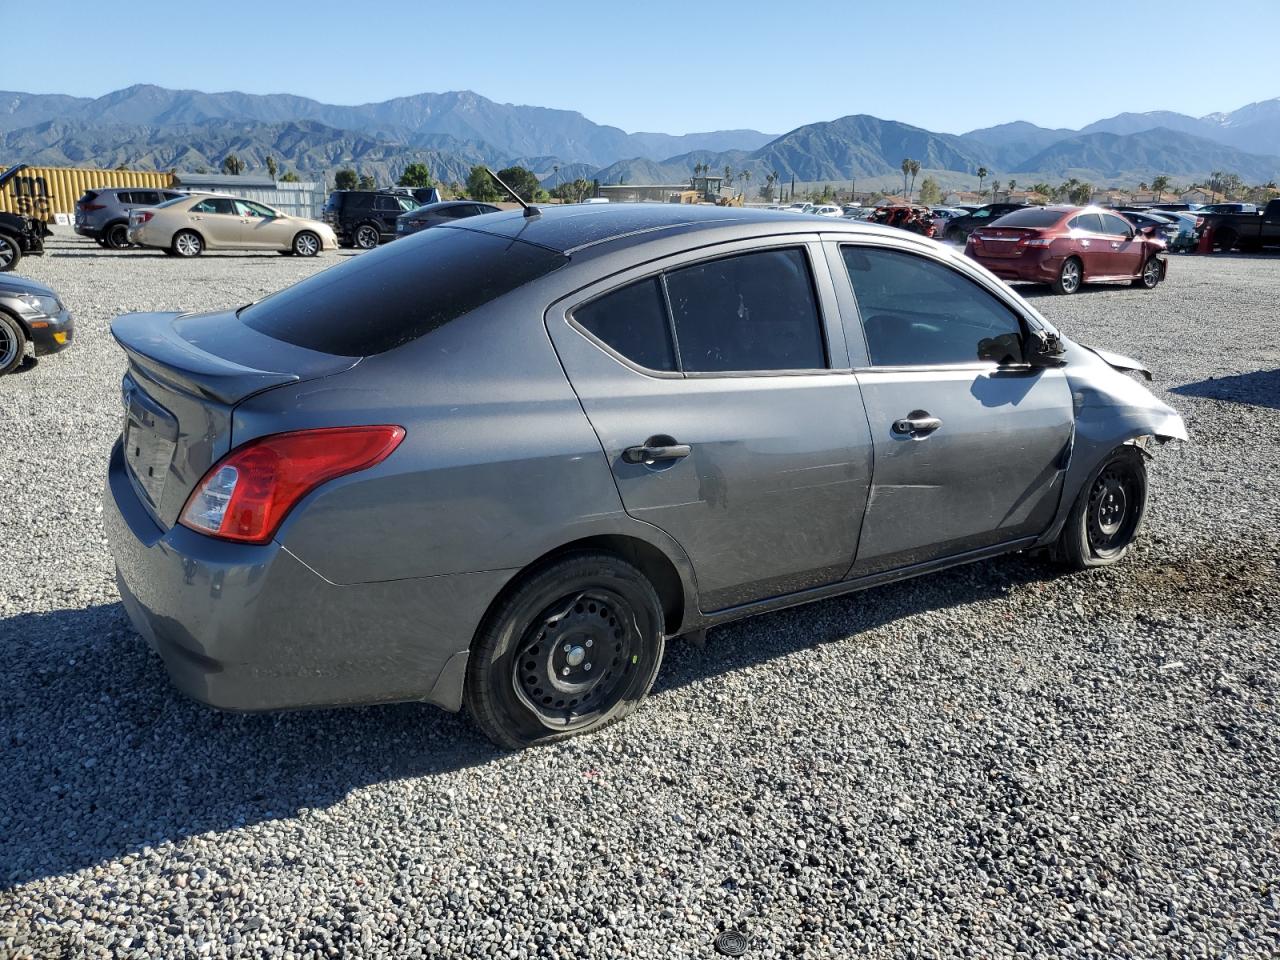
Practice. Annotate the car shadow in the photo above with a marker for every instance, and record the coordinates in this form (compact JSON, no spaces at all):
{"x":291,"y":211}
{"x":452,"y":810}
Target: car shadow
{"x":102,"y":757}
{"x":1261,"y":388}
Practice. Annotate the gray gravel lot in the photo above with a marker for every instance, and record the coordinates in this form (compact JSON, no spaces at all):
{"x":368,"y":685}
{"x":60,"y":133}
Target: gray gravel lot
{"x":990,"y":762}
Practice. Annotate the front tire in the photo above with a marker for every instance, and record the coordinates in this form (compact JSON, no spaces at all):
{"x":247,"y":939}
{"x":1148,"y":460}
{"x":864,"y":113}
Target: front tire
{"x":306,"y":244}
{"x":573,"y":647}
{"x":1108,"y":514}
{"x":367,"y":236}
{"x":1149,"y":279}
{"x":1070,"y":277}
{"x":188,"y":243}
{"x":13,"y":344}
{"x":10,"y":252}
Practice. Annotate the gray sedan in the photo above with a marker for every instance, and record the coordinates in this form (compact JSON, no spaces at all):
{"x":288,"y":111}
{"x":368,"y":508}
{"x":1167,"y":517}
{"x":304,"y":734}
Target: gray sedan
{"x":500,"y":462}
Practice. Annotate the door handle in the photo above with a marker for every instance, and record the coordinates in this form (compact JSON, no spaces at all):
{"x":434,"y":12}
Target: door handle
{"x":919,"y":424}
{"x":648,"y":452}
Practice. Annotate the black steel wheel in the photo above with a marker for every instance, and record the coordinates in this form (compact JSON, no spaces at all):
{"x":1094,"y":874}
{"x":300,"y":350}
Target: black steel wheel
{"x":367,"y":236}
{"x":572,"y":647}
{"x":1108,"y":513}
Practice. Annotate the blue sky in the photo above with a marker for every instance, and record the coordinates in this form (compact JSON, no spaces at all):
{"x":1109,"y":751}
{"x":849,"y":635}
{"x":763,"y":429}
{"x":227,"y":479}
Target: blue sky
{"x":682,"y":67}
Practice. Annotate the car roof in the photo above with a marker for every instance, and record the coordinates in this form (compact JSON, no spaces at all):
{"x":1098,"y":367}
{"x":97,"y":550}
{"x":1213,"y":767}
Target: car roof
{"x":571,"y":228}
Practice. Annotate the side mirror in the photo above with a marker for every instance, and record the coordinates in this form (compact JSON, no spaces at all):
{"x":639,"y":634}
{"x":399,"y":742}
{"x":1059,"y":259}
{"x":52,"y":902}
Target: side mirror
{"x":1043,"y":349}
{"x":1148,"y":231}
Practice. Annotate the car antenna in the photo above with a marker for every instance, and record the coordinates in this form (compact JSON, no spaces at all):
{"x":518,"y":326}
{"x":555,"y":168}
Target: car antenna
{"x":529,"y":209}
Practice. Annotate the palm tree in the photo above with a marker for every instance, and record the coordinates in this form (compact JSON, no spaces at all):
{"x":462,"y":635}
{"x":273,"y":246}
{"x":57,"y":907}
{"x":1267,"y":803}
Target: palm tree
{"x":995,"y":188}
{"x":982,"y":175}
{"x":915,"y":169}
{"x":1159,"y":184}
{"x":777,"y":178}
{"x":1013,"y":185}
{"x":906,"y":169}
{"x":745,"y":177}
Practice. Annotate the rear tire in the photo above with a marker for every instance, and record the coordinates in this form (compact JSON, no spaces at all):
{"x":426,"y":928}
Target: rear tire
{"x":1149,"y":279}
{"x":573,"y":647}
{"x":188,"y":243}
{"x":1225,"y":240}
{"x":956,"y":235}
{"x":367,"y":236}
{"x":116,"y":237}
{"x":13,"y":344}
{"x":10,"y":252}
{"x":1108,"y":514}
{"x":1070,"y":277}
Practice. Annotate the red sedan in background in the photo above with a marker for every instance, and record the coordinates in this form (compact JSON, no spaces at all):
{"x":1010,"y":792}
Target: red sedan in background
{"x":1068,"y":246}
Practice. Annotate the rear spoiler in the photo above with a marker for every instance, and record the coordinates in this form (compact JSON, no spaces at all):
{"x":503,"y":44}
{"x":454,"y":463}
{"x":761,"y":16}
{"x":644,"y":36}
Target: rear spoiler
{"x":156,"y":347}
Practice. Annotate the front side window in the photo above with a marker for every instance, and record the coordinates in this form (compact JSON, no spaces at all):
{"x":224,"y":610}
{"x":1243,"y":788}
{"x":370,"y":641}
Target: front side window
{"x":632,"y":321}
{"x":216,"y":205}
{"x":918,"y":312}
{"x":1114,"y":226}
{"x":250,"y":209}
{"x":754,"y":311}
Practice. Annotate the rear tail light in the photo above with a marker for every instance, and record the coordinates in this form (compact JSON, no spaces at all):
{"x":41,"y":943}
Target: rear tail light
{"x":246,"y":495}
{"x":90,"y":207}
{"x":142,"y":216}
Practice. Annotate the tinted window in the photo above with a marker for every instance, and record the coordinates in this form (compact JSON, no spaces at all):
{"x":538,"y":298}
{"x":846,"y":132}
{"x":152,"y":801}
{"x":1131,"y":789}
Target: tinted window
{"x":981,"y":214}
{"x":1031,"y":217}
{"x":1115,"y":226}
{"x":917,"y":311}
{"x":633,"y":321}
{"x":387,"y":204}
{"x":124,"y":197}
{"x":146,"y":197}
{"x":1089,"y":222}
{"x":334,"y":203}
{"x":751,"y":312}
{"x":215,"y":205}
{"x":399,"y":292}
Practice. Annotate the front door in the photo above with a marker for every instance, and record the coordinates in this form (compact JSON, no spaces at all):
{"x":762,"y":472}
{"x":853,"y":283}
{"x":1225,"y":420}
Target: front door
{"x":1124,"y":247}
{"x":970,"y":442}
{"x":264,"y":228}
{"x":726,"y":409}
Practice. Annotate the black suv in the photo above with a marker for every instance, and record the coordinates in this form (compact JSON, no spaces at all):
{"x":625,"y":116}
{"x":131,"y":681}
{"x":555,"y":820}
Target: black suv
{"x":365,"y":218}
{"x":959,"y":228}
{"x":20,"y":235}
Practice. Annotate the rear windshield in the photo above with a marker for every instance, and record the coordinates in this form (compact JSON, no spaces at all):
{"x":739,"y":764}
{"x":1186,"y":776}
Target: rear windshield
{"x":1031,"y":217}
{"x":397,"y":293}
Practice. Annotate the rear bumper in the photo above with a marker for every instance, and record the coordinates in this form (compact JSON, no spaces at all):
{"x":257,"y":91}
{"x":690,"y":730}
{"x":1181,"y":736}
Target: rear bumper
{"x":1033,"y":266}
{"x":244,"y":627}
{"x":84,"y":230}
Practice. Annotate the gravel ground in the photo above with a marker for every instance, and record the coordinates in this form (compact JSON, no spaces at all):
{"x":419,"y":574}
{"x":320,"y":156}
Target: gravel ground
{"x":989,"y":762}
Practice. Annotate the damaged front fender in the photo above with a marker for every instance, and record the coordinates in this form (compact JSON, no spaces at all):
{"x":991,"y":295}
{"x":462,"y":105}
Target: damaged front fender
{"x":1110,"y":409}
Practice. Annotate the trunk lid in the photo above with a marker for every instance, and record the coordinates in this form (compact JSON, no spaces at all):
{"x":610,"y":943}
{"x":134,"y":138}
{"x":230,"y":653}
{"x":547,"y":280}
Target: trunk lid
{"x":187,"y":372}
{"x":1002,"y":242}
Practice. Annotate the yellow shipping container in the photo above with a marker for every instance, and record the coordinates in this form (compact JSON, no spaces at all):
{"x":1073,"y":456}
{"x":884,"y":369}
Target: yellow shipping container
{"x":43,"y":192}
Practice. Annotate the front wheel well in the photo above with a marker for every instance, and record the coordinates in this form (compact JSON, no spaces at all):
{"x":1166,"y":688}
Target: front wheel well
{"x":647,"y":558}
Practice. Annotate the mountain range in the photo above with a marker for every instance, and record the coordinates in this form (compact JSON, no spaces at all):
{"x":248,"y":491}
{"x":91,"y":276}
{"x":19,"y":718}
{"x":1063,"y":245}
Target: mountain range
{"x":148,"y":126}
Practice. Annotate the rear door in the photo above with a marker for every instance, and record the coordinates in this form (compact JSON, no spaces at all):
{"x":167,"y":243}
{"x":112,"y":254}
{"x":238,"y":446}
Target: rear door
{"x":1090,"y":244}
{"x":970,"y":442}
{"x":720,"y":389}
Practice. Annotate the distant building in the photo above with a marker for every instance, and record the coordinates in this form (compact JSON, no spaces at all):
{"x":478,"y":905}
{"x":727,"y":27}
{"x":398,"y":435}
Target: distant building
{"x":638,"y":192}
{"x":964,"y":196}
{"x":1198,"y":195}
{"x":300,"y":199}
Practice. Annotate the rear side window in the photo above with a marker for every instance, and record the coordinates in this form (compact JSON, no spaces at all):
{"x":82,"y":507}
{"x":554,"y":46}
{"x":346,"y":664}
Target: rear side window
{"x":399,"y":292}
{"x":918,"y":312}
{"x":756,"y":311}
{"x":632,"y":321}
{"x":334,"y":203}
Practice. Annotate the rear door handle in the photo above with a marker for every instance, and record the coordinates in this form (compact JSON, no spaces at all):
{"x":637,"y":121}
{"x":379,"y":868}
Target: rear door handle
{"x":918,"y":424}
{"x":648,"y":452}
